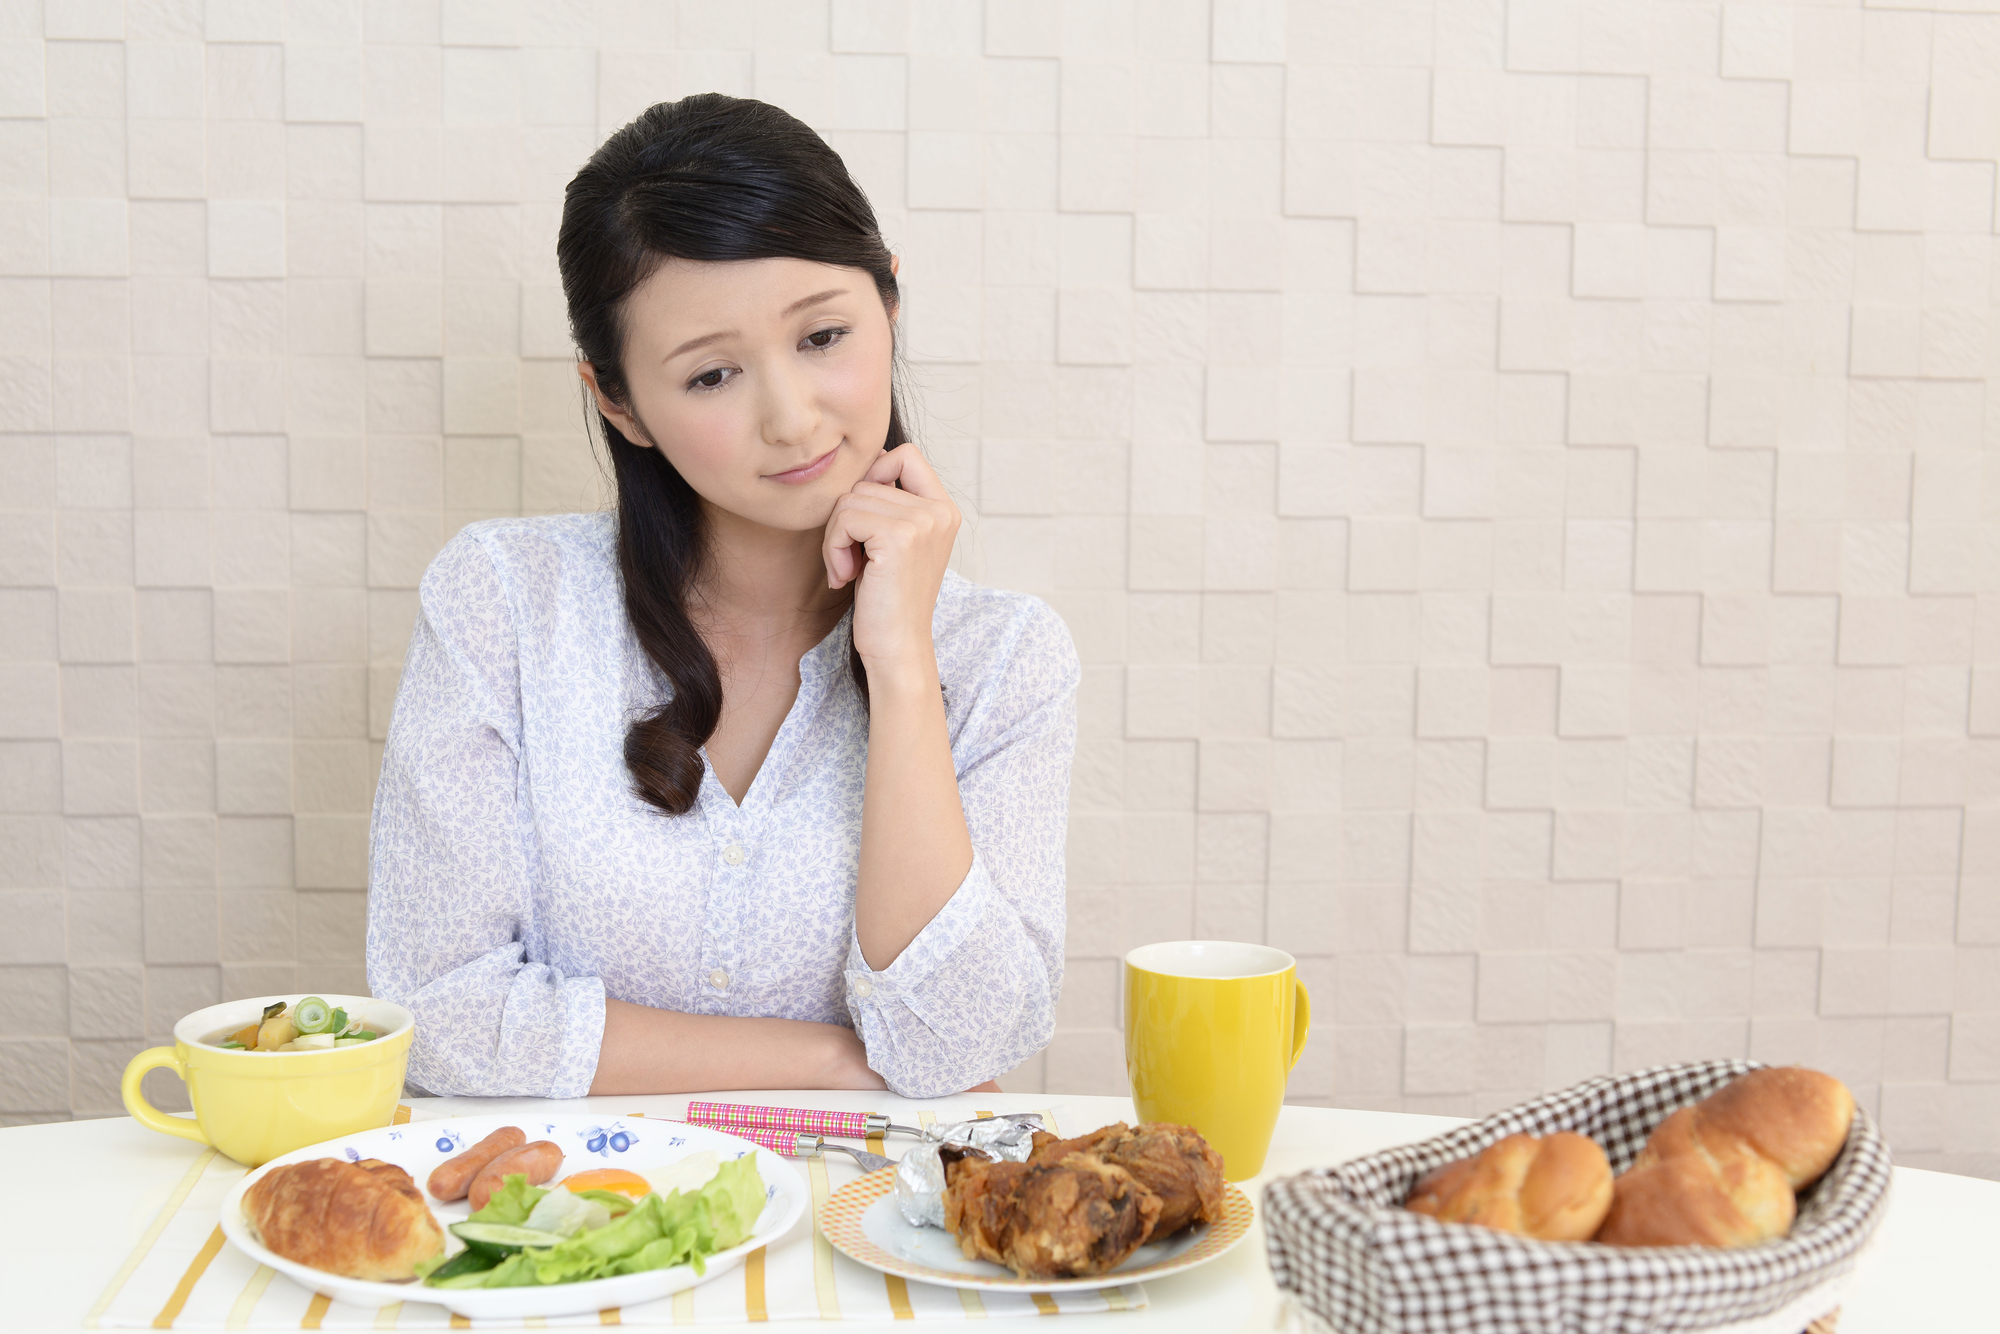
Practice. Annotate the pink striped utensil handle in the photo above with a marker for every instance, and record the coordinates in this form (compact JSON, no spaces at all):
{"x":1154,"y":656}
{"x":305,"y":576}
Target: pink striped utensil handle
{"x":782,"y":1142}
{"x":740,"y":1118}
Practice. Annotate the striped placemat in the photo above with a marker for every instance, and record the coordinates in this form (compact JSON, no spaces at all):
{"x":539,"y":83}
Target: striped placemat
{"x":183,"y":1274}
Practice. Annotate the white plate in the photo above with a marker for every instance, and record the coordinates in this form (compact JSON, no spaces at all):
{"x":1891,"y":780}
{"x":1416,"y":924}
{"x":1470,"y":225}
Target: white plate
{"x":648,"y":1148}
{"x":863,"y":1222}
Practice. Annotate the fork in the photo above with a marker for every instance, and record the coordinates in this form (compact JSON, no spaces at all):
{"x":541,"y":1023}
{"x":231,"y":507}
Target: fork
{"x":799,"y":1144}
{"x":812,"y":1146}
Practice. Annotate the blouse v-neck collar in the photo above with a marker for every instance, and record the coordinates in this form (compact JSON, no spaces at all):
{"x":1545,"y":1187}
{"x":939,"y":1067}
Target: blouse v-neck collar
{"x":823,"y":660}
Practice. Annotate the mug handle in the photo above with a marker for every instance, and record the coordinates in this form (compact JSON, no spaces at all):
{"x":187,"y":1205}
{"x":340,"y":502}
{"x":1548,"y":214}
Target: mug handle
{"x":147,"y":1115}
{"x":1302,"y":1020}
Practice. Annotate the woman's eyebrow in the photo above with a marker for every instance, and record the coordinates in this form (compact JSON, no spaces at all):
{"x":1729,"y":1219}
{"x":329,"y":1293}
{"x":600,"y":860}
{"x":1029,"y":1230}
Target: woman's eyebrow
{"x":793,"y":309}
{"x":814,"y":300}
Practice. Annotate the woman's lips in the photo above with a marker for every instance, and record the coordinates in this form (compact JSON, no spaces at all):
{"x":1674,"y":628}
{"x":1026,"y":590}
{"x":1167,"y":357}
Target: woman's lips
{"x":807,"y":472}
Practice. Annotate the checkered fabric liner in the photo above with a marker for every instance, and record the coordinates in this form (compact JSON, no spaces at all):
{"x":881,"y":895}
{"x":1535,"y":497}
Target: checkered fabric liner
{"x":1343,"y":1246}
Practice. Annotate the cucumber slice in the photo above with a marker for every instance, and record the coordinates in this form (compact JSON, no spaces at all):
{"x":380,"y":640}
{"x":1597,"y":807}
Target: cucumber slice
{"x":501,"y":1239}
{"x":312,"y":1015}
{"x":467,"y":1261}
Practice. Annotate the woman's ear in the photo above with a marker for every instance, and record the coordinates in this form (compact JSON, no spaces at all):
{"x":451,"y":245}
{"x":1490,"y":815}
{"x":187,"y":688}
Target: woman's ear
{"x":614,"y":414}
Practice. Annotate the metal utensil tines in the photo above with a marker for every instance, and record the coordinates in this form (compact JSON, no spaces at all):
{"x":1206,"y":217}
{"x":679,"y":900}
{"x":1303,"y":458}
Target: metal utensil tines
{"x":815,"y":1146}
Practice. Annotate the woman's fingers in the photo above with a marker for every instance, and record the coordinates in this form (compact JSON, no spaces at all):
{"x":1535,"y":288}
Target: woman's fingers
{"x":848,"y":531}
{"x":860,"y":520}
{"x":840,"y":563}
{"x":880,"y":491}
{"x":906,"y":464}
{"x":876,"y":509}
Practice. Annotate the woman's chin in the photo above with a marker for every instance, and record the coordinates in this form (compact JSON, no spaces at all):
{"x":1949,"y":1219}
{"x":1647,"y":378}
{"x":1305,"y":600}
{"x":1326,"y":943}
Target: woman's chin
{"x":797,"y":505}
{"x":803,"y":513}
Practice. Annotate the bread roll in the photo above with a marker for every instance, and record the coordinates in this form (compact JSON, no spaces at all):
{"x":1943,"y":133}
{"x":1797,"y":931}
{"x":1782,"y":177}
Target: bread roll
{"x":1723,"y":1172}
{"x":1795,"y":1117}
{"x":1556,"y":1188}
{"x":362,"y":1220}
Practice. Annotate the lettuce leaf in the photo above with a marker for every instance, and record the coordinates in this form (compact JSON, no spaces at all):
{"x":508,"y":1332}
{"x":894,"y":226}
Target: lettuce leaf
{"x":657,"y":1233}
{"x":511,"y":1204}
{"x":738,"y":1193}
{"x":616,"y":1201}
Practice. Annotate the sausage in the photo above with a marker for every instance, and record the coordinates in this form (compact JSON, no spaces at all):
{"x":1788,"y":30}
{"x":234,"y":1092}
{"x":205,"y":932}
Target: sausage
{"x":538,"y":1162}
{"x":454,"y":1175}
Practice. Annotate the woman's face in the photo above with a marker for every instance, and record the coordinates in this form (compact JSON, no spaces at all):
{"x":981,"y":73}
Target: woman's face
{"x":765,"y":382}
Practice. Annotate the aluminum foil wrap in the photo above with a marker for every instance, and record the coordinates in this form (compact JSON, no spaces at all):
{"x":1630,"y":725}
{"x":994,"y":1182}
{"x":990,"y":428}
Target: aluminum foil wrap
{"x":920,"y":1175}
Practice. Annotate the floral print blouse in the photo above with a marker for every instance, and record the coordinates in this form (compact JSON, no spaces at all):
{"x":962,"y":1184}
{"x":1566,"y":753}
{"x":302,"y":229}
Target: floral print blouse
{"x":515,"y":880}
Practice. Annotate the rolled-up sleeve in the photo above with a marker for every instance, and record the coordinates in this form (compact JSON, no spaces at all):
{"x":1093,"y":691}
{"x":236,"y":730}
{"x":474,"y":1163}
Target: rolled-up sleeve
{"x":450,"y":863}
{"x":974,"y":994}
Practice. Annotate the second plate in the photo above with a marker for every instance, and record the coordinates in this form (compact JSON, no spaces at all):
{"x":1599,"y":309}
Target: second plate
{"x":863,"y":1223}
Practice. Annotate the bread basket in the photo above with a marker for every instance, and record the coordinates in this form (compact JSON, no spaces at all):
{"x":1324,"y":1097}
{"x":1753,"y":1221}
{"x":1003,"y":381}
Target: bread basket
{"x":1343,"y":1249}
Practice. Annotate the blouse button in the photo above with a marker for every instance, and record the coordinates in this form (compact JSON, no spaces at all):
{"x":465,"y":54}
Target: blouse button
{"x":719,"y":980}
{"x":863,"y":988}
{"x":735,"y":855}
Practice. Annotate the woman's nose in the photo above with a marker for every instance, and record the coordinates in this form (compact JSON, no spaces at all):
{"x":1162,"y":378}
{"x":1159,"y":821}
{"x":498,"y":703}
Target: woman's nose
{"x":790,"y":414}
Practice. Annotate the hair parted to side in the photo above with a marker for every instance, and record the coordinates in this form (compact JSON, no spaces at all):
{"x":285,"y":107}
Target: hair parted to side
{"x":708,"y":178}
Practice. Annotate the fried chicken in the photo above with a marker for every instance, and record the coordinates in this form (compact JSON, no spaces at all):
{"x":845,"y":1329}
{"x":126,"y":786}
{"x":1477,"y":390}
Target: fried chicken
{"x":1081,"y":1206}
{"x":1174,"y":1162}
{"x":1047,"y":1148}
{"x":1078,"y":1216}
{"x":1057,"y":1218}
{"x":979,"y":1204}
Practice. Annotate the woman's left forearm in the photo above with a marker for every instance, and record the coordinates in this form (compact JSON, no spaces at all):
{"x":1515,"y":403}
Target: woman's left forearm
{"x":915,"y":848}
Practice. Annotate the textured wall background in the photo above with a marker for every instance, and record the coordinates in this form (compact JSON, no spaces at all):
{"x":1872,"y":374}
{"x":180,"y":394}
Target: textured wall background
{"x":1518,"y":475}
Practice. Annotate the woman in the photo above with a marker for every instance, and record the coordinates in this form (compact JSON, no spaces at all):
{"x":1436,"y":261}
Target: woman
{"x":740,"y":787}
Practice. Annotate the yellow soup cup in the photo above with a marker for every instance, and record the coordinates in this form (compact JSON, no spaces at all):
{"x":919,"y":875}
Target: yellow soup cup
{"x":255,"y":1105}
{"x":1212,"y":1030}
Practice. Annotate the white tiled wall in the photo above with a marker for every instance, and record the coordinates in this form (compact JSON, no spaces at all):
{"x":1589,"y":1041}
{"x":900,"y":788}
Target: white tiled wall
{"x":1518,"y":475}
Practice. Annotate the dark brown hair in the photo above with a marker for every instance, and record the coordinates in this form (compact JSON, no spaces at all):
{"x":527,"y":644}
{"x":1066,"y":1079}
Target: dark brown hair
{"x":708,"y":178}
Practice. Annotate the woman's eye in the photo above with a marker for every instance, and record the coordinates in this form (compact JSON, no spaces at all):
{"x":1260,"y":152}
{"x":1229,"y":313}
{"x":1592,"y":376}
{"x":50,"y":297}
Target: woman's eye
{"x":825,"y":338}
{"x":710,"y":379}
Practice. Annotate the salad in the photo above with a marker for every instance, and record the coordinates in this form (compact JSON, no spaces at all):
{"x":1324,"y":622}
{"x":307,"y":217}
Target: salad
{"x":527,"y":1236}
{"x":310,"y":1025}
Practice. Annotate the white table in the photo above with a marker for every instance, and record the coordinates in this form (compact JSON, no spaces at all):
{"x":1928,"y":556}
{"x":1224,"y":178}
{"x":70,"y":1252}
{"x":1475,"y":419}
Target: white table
{"x":83,"y":1192}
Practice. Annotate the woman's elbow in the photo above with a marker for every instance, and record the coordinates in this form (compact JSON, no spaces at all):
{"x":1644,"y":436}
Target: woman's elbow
{"x":953,"y":1057}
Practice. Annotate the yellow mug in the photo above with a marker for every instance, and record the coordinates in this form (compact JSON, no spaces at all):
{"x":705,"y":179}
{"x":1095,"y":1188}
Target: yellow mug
{"x":1212,"y":1030}
{"x":255,"y":1105}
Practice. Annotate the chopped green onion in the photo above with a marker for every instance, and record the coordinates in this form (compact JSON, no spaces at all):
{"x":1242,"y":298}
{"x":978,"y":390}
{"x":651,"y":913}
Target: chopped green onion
{"x":233,"y":1045}
{"x":339,"y":1024}
{"x":312,"y":1015}
{"x":274,"y":1009}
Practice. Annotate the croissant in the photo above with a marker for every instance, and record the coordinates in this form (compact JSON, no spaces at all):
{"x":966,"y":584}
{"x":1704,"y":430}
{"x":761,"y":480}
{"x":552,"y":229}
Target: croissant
{"x":363,"y":1220}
